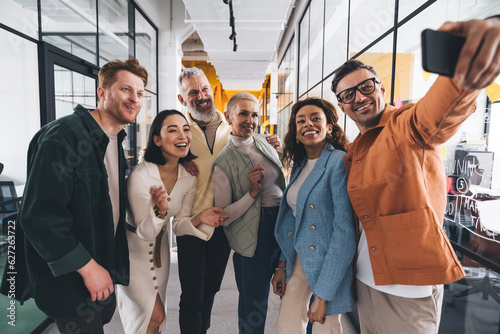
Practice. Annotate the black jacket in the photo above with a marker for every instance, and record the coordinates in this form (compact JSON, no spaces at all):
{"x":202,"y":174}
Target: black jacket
{"x":66,"y":218}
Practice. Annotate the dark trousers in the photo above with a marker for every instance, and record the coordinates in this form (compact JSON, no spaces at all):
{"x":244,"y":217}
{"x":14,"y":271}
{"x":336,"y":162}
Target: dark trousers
{"x":92,"y":322}
{"x":201,"y":269}
{"x":253,"y":276}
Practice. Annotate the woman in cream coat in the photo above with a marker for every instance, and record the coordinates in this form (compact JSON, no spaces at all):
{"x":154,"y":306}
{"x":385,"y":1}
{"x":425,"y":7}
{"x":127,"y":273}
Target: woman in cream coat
{"x":158,"y":189}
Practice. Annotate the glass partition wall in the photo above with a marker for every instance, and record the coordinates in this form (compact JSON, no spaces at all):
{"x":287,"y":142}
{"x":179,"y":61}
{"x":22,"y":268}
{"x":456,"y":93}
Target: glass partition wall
{"x":386,"y":35}
{"x":95,"y":32}
{"x":98,"y":31}
{"x":43,"y":42}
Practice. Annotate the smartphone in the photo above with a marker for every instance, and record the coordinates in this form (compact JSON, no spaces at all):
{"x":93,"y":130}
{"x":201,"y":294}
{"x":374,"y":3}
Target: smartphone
{"x":440,"y":51}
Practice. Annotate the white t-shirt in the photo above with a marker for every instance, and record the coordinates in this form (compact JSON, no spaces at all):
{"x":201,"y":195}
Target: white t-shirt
{"x":365,"y":274}
{"x":293,"y":191}
{"x":113,"y":169}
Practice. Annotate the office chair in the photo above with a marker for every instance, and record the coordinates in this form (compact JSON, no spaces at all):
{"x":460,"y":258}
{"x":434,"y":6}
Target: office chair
{"x":7,"y":194}
{"x":9,"y":206}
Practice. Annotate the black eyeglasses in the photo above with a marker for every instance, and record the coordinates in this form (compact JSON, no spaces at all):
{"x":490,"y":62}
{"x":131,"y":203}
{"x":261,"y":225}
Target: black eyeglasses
{"x":366,"y":87}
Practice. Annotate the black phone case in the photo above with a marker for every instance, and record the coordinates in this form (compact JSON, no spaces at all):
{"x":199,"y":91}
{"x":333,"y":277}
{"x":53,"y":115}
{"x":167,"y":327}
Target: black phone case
{"x":440,"y":51}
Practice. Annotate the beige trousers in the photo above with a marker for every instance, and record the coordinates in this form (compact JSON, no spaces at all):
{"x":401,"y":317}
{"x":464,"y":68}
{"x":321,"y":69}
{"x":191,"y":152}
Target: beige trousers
{"x":383,"y":313}
{"x":295,"y":304}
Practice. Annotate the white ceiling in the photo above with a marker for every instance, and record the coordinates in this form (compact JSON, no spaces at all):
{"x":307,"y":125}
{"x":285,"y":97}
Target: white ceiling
{"x":258,"y":24}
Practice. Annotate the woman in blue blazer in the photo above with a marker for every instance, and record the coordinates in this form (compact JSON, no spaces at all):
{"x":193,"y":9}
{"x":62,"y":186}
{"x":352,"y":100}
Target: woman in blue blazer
{"x":315,"y":222}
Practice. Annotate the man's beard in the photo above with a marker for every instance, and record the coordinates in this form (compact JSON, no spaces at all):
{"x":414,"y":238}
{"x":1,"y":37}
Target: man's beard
{"x":204,"y":117}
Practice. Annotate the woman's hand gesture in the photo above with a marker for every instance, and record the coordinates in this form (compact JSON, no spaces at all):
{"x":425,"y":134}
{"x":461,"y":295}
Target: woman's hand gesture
{"x":159,"y":197}
{"x":255,"y":176}
{"x":211,"y":216}
{"x":317,"y":311}
{"x":279,"y":279}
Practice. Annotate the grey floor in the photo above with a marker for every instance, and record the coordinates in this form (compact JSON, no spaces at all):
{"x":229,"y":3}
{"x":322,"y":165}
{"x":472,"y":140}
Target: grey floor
{"x":224,"y":313}
{"x":468,"y":315}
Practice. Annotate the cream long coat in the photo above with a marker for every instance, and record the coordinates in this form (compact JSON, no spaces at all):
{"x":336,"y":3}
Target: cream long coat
{"x":135,"y":302}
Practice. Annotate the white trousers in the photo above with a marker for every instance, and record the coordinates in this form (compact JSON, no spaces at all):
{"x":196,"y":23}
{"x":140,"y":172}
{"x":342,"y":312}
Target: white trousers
{"x":295,"y":304}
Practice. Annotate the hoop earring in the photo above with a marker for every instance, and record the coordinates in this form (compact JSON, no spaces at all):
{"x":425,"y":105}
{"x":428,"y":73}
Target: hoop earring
{"x":330,"y":137}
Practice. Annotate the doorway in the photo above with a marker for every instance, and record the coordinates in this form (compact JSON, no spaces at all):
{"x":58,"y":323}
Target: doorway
{"x":65,"y":82}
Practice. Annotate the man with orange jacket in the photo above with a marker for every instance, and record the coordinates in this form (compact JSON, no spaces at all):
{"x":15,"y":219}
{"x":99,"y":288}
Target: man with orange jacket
{"x":397,"y":183}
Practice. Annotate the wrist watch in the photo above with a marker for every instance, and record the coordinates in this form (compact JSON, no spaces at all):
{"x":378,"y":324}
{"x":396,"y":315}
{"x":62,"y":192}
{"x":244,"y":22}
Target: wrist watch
{"x":158,"y":213}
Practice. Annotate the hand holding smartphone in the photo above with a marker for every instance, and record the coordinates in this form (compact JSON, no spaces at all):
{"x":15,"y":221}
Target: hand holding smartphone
{"x":440,"y":51}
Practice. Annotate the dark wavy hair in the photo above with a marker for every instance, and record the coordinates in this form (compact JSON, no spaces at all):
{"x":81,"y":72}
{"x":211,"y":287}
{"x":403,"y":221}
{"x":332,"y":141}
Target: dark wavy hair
{"x":294,"y":153}
{"x":347,"y":68}
{"x":153,"y":153}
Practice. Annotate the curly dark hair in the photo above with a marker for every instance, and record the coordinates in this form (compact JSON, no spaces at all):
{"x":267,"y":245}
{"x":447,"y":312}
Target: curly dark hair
{"x":153,"y":153}
{"x":293,"y":153}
